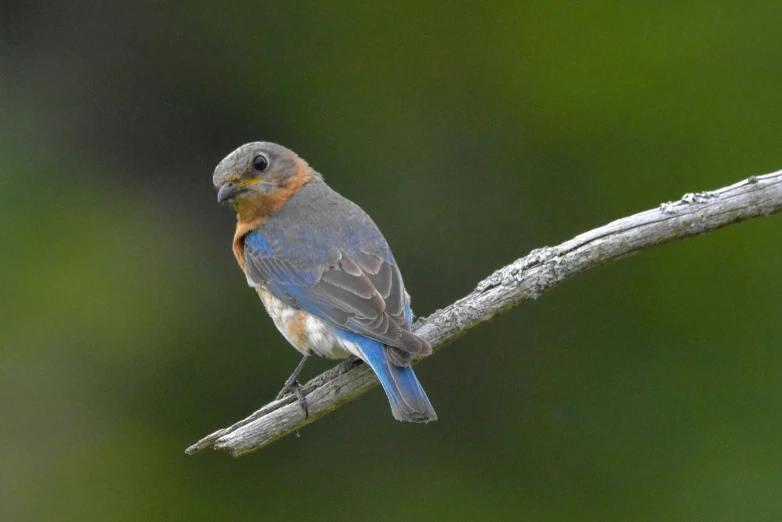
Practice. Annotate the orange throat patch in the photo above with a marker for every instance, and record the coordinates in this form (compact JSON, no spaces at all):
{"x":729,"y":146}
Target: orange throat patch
{"x":255,"y":212}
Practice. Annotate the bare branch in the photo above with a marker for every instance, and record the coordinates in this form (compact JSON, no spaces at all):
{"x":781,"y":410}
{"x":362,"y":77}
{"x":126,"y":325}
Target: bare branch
{"x":526,"y":278}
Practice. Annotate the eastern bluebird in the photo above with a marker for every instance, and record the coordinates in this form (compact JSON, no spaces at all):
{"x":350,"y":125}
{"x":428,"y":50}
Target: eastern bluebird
{"x":323,"y":271}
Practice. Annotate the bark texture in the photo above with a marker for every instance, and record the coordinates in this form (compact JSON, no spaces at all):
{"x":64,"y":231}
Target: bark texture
{"x":525,"y":278}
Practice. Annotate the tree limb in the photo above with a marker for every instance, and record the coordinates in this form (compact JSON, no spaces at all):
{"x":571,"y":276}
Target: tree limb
{"x":526,"y":278}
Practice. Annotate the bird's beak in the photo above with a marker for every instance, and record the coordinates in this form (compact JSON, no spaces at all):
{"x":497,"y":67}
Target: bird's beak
{"x":228,"y":190}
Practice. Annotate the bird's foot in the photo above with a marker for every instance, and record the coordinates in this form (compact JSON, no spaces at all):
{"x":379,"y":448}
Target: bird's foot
{"x":293,"y":387}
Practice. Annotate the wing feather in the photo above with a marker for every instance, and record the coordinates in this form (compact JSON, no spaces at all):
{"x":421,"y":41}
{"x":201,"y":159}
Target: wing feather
{"x":363,"y":294}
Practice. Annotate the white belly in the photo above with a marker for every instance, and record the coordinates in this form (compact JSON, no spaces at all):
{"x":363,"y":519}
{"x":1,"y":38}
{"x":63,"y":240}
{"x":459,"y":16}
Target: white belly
{"x":307,"y":333}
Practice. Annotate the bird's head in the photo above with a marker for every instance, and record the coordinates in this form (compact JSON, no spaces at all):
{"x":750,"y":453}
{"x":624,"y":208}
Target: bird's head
{"x":259,"y":177}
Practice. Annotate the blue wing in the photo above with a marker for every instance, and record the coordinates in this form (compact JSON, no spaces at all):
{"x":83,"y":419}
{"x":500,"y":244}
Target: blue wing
{"x":357,"y":287}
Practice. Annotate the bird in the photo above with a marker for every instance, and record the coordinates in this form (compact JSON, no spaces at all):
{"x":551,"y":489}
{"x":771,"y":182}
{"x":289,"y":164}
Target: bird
{"x":323,"y":271}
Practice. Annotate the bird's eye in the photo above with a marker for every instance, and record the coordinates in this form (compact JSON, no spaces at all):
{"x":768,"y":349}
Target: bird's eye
{"x":261,"y":163}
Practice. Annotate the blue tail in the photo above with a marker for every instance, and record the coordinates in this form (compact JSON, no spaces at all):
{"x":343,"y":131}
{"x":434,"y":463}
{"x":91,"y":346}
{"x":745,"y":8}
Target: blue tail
{"x":408,"y":399}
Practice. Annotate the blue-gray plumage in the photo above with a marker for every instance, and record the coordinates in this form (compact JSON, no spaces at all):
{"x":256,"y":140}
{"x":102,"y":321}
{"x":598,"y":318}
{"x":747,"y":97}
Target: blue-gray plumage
{"x":323,"y":270}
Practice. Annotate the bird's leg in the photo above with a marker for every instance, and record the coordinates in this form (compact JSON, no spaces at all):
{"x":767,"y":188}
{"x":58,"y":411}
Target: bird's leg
{"x":292,"y":386}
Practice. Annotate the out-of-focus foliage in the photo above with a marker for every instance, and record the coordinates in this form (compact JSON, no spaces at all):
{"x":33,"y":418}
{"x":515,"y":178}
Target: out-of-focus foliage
{"x":472,"y":132}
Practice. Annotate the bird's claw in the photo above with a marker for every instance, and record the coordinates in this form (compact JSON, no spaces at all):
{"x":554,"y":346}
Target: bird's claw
{"x":294,"y":388}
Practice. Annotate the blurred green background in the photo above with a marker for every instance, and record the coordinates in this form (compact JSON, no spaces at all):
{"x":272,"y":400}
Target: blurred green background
{"x":649,"y":389}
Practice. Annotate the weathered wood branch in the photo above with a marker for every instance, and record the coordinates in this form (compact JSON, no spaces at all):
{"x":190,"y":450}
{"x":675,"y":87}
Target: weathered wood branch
{"x":526,"y":278}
